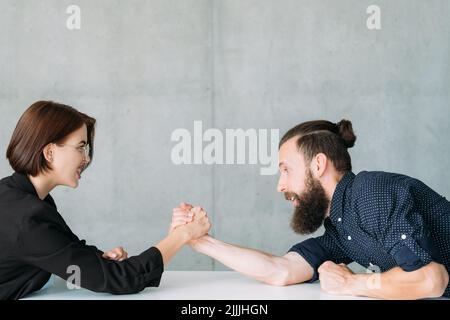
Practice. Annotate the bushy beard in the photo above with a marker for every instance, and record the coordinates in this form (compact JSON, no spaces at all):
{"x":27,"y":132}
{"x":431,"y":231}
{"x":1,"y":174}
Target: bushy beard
{"x":309,"y":215}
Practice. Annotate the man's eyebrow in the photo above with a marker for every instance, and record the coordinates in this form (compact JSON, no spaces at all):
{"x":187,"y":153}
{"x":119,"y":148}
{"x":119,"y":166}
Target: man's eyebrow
{"x":281,"y":164}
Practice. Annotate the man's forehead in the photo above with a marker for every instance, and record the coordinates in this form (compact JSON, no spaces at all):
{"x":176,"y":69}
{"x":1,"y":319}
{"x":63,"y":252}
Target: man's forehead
{"x":288,"y":153}
{"x":288,"y":147}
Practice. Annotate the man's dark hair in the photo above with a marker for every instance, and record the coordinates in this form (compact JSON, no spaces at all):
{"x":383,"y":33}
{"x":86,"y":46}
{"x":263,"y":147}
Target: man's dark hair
{"x":322,"y":136}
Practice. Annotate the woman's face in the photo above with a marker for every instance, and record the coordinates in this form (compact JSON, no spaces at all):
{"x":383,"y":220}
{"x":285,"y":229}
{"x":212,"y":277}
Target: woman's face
{"x":69,"y":159}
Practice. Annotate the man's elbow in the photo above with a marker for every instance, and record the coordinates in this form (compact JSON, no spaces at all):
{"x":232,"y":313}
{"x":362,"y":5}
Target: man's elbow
{"x":436,"y":282}
{"x":286,"y":271}
{"x":279,"y":277}
{"x":282,"y":276}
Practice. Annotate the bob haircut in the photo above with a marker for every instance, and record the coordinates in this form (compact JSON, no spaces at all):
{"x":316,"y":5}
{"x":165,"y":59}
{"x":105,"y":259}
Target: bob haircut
{"x":42,"y":123}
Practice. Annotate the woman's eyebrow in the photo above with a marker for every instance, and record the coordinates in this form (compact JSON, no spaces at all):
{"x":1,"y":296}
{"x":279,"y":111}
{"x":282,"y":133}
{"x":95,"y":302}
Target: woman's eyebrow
{"x":82,"y":142}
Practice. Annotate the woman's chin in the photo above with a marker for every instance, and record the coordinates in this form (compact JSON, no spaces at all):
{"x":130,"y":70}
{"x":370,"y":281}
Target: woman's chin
{"x":72,"y":184}
{"x":75,"y":184}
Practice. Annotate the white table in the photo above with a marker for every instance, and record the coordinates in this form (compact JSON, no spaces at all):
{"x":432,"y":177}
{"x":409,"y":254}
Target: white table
{"x":198,"y":285}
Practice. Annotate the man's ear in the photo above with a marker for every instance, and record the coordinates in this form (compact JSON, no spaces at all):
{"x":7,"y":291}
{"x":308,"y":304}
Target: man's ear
{"x":48,"y":152}
{"x":319,"y":164}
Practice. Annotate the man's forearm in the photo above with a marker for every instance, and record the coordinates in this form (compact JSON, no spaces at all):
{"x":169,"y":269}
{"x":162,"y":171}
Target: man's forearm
{"x":256,"y":264}
{"x":398,"y":284}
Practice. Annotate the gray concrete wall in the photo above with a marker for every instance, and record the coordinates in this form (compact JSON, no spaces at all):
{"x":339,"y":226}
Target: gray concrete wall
{"x":146,"y":68}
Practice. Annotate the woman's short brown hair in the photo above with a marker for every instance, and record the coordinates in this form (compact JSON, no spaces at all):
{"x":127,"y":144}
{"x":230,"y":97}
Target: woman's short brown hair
{"x":42,"y":123}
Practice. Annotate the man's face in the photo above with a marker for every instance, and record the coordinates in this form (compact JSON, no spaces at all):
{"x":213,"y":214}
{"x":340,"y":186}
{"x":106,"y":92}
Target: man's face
{"x":302,"y":189}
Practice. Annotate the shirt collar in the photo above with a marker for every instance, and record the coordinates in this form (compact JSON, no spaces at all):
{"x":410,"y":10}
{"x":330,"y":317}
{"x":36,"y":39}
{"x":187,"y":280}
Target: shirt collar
{"x":337,"y":201}
{"x":24,"y":184}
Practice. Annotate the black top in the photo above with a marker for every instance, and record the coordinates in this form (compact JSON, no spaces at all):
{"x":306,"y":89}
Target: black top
{"x":35,"y":242}
{"x":382,"y":220}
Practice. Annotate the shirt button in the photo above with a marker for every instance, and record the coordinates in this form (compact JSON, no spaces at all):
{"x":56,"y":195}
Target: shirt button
{"x":403,"y":236}
{"x":339,"y":219}
{"x":349,"y":238}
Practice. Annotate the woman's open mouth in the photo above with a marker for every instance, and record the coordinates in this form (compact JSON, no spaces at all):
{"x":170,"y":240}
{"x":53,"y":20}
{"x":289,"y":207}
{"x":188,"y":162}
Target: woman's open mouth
{"x":79,"y":170}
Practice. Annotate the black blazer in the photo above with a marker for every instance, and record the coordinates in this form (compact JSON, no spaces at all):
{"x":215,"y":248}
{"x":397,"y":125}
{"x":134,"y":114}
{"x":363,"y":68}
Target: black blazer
{"x":35,"y":242}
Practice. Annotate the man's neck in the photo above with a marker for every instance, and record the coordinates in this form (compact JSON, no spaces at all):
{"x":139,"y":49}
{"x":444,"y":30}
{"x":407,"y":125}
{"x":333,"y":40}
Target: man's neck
{"x":43,"y":185}
{"x":329,"y":186}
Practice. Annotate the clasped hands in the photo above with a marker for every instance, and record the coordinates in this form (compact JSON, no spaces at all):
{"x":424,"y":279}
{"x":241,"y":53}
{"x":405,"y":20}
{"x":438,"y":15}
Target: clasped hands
{"x":191,"y":217}
{"x":192,"y":221}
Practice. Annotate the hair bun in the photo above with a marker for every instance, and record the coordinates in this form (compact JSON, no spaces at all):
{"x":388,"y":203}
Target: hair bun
{"x":346,"y":132}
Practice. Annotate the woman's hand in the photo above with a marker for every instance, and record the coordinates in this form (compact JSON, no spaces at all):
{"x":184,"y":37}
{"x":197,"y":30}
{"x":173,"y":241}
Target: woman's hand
{"x":184,"y":229}
{"x":199,"y":226}
{"x":181,"y":216}
{"x":117,"y":254}
{"x":192,"y":218}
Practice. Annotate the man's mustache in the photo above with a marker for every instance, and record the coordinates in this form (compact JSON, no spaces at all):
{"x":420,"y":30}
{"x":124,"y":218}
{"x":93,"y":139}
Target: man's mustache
{"x":291,"y":195}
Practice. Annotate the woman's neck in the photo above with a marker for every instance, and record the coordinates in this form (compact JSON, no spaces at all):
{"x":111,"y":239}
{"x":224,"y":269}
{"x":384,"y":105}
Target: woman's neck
{"x":43,"y":185}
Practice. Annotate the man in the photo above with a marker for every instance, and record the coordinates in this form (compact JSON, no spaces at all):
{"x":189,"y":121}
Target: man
{"x":385,"y":221}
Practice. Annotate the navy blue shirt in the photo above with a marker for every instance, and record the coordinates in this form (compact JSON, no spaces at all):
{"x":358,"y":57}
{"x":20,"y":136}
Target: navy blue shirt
{"x":382,"y":220}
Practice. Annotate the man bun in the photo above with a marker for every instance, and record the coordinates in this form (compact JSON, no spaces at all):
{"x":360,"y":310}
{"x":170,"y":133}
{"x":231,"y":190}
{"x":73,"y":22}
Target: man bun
{"x":345,"y":130}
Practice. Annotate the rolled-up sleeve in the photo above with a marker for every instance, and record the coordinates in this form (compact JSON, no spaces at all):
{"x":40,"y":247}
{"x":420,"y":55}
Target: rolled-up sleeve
{"x":318,"y":250}
{"x":405,"y":235}
{"x":48,"y":246}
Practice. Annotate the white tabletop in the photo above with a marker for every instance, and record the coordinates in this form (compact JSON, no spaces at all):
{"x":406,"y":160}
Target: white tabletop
{"x":198,"y":285}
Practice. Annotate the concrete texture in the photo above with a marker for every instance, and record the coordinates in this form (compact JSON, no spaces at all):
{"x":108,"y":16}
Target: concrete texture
{"x":146,"y":68}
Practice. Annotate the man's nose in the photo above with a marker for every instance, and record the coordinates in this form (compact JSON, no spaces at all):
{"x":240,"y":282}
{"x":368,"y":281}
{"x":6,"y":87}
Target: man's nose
{"x":281,"y":187}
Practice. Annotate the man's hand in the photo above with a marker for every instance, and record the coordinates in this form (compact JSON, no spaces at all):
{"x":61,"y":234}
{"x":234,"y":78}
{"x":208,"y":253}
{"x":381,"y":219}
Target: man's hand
{"x":117,"y":254}
{"x":335,"y":278}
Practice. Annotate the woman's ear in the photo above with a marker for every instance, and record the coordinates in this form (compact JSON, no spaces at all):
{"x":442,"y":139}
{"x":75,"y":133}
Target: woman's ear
{"x":48,"y":152}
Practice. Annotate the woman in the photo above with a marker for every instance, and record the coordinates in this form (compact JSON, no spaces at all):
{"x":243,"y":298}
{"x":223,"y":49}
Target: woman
{"x":52,"y":145}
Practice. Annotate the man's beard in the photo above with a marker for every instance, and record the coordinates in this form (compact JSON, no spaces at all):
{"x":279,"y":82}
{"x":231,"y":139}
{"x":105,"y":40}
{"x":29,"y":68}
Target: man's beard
{"x":313,"y":204}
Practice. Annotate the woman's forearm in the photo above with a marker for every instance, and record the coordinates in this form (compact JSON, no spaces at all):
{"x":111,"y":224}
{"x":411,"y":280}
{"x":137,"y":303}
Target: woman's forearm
{"x":172,"y":243}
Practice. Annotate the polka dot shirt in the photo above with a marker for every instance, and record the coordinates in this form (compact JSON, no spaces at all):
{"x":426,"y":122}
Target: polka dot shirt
{"x":382,"y":220}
